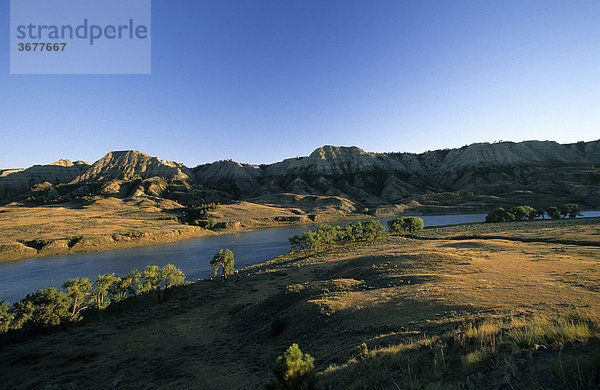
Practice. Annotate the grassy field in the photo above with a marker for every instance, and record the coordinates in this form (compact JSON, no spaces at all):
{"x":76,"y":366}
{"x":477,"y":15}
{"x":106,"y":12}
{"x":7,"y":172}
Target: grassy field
{"x":469,"y":306}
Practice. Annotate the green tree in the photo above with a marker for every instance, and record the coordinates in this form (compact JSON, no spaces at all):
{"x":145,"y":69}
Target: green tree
{"x":572,"y":210}
{"x":523,"y":212}
{"x":172,"y":276}
{"x":125,"y":286}
{"x":151,"y":280}
{"x":6,"y":317}
{"x":413,"y":224}
{"x":101,"y":290}
{"x":405,"y":224}
{"x":293,"y":368}
{"x":210,"y":223}
{"x":50,"y":307}
{"x":311,"y":240}
{"x":22,"y":314}
{"x":540,"y":213}
{"x":553,"y":212}
{"x":325,"y":235}
{"x":372,"y":230}
{"x":356,"y":231}
{"x":500,"y":215}
{"x":296,"y":243}
{"x":78,"y":290}
{"x":224,"y":259}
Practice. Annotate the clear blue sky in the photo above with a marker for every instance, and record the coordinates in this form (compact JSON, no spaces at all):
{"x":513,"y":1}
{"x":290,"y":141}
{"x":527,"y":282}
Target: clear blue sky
{"x":260,"y":81}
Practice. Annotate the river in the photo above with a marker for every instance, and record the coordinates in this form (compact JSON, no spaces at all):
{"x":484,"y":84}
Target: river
{"x":20,"y":277}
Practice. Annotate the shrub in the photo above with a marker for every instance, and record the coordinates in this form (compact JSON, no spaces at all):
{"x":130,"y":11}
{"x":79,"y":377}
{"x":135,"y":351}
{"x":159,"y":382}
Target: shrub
{"x":361,"y":351}
{"x":293,"y":368}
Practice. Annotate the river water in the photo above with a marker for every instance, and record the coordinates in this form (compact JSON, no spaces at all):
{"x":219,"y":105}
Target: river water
{"x":20,"y":277}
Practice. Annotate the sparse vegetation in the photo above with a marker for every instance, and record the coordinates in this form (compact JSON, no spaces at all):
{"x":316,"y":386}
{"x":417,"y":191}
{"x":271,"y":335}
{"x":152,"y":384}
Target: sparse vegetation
{"x":481,"y":348}
{"x":440,"y":312}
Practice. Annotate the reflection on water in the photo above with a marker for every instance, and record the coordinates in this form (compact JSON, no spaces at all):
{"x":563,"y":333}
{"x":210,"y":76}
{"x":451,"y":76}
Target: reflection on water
{"x":18,"y":278}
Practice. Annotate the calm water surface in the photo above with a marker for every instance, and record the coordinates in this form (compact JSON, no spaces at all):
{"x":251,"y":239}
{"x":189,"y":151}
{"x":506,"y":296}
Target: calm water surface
{"x":18,"y":278}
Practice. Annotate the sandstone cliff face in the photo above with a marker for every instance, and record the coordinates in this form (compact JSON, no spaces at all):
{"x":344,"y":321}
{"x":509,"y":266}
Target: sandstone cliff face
{"x":129,"y":165}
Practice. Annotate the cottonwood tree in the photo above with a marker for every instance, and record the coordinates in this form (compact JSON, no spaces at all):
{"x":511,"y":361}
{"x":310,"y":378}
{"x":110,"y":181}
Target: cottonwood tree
{"x":372,"y":230}
{"x":6,"y":317}
{"x":78,"y":290}
{"x":50,"y":307}
{"x":553,"y":212}
{"x":101,"y":291}
{"x":224,"y":259}
{"x":523,"y":212}
{"x":296,"y":243}
{"x":172,"y":276}
{"x":500,"y":215}
{"x":125,"y":286}
{"x":572,"y":210}
{"x":154,"y":277}
{"x":406,"y":224}
{"x":151,"y":280}
{"x":540,"y":213}
{"x":22,"y":312}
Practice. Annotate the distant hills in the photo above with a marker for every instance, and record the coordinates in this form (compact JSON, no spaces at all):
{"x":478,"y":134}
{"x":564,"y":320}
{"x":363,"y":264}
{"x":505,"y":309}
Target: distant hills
{"x":542,"y":172}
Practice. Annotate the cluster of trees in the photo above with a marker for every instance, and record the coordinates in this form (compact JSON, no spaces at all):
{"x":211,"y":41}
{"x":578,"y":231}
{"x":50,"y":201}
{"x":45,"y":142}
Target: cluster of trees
{"x":522,"y":213}
{"x":51,"y":307}
{"x":325,"y":235}
{"x":405,"y":224}
{"x":199,"y":215}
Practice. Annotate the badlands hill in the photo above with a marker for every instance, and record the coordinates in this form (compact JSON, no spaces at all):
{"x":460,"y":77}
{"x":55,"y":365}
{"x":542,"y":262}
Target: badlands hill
{"x":474,"y":176}
{"x":128,"y":198}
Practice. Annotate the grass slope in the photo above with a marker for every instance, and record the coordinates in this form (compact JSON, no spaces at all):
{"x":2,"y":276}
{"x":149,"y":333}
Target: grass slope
{"x":439,"y":312}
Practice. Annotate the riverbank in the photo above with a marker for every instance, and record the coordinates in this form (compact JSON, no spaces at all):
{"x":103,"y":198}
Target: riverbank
{"x":109,"y":224}
{"x":391,"y":294}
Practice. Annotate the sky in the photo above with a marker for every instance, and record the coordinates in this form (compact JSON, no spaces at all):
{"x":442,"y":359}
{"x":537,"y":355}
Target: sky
{"x":264,"y":80}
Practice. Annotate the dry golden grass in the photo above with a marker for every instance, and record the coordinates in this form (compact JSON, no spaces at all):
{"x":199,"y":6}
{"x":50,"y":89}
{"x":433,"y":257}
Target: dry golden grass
{"x":398,"y":295}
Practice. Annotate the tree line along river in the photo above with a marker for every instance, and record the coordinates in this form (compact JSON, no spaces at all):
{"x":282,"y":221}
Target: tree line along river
{"x":21,"y":277}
